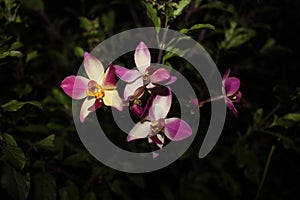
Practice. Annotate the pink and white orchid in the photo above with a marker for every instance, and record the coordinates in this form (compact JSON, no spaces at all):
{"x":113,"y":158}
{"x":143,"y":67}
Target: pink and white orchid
{"x":156,"y":125}
{"x":145,"y":74}
{"x":231,"y":91}
{"x":98,"y":89}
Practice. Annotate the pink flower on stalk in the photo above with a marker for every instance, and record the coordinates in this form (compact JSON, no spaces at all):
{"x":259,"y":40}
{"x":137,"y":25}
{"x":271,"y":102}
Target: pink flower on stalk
{"x":98,"y":89}
{"x":145,"y":74}
{"x":156,"y":125}
{"x":231,"y":91}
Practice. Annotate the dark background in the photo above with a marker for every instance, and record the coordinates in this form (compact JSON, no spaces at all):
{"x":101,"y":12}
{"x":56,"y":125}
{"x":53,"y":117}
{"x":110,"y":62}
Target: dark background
{"x":257,"y":155}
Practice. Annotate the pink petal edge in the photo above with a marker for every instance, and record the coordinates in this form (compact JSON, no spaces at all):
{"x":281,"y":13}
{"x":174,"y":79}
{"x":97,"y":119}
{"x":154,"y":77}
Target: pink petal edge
{"x":177,"y":129}
{"x":75,"y":86}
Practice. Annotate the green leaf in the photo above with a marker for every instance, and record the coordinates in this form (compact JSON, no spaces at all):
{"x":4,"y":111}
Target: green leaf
{"x":287,"y":142}
{"x":12,"y":53}
{"x":60,"y":97}
{"x":236,"y":37}
{"x":44,"y":187}
{"x":180,"y":6}
{"x":152,"y":14}
{"x":46,"y":143}
{"x":16,"y":184}
{"x":85,"y":23}
{"x":108,"y":20}
{"x":197,"y":27}
{"x":287,"y":121}
{"x":15,"y":105}
{"x":70,"y":192}
{"x":31,"y":55}
{"x":14,"y":155}
{"x":78,"y":52}
{"x":258,"y":115}
{"x":9,"y":139}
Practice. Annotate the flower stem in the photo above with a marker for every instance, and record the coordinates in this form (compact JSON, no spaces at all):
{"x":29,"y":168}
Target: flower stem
{"x":267,"y":165}
{"x":201,"y":103}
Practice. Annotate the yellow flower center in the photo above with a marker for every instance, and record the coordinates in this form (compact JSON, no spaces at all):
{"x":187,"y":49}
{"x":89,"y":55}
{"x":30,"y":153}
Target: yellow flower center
{"x":95,"y":90}
{"x":157,"y":126}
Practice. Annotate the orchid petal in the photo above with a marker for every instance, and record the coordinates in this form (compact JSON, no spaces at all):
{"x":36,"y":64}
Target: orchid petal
{"x":112,"y":98}
{"x":238,"y":96}
{"x":226,"y":75}
{"x":142,"y":57}
{"x":86,"y":108}
{"x":160,"y":106}
{"x":177,"y":129}
{"x":231,"y":85}
{"x":170,"y":81}
{"x":155,"y":155}
{"x":231,"y":107}
{"x":158,"y":139}
{"x":98,"y":104}
{"x":109,"y":80}
{"x":127,"y":75}
{"x":130,"y":88}
{"x":93,"y":67}
{"x":140,"y":130}
{"x":75,"y":86}
{"x":160,"y":75}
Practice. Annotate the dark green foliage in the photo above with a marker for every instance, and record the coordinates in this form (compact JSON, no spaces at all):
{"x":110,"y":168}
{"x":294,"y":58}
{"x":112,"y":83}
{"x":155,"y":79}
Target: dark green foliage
{"x":258,"y":154}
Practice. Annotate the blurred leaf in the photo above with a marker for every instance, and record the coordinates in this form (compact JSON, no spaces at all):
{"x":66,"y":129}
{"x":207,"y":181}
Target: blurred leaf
{"x":197,"y":27}
{"x":287,"y":142}
{"x":60,"y":97}
{"x":258,"y":115}
{"x":31,"y":55}
{"x":180,"y":6}
{"x":85,"y":23}
{"x":90,"y":196}
{"x":152,"y":14}
{"x":12,"y":53}
{"x":44,"y":187}
{"x":16,"y":184}
{"x":14,"y":155}
{"x":78,"y":52}
{"x":16,"y":45}
{"x":46,"y":143}
{"x":22,"y":90}
{"x":70,"y":192}
{"x":108,"y":20}
{"x":235,"y":37}
{"x":15,"y":105}
{"x":287,"y":121}
{"x":9,"y":139}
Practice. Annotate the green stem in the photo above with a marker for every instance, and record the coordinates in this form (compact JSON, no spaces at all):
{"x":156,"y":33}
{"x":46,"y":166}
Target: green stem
{"x":267,"y":165}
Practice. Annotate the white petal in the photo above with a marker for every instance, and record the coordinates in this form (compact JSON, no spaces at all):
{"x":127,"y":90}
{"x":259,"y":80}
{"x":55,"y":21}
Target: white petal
{"x":131,"y":87}
{"x":140,"y":130}
{"x":142,"y":57}
{"x":160,"y":106}
{"x":93,"y":67}
{"x":84,"y":111}
{"x":112,"y":98}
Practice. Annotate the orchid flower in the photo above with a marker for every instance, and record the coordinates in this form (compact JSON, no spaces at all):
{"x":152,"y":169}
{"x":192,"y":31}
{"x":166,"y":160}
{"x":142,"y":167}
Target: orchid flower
{"x":145,"y":74}
{"x":156,"y":125}
{"x":231,"y":91}
{"x":98,"y":89}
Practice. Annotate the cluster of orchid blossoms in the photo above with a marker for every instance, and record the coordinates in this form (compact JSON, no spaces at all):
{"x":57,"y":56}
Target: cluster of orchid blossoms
{"x":147,"y":84}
